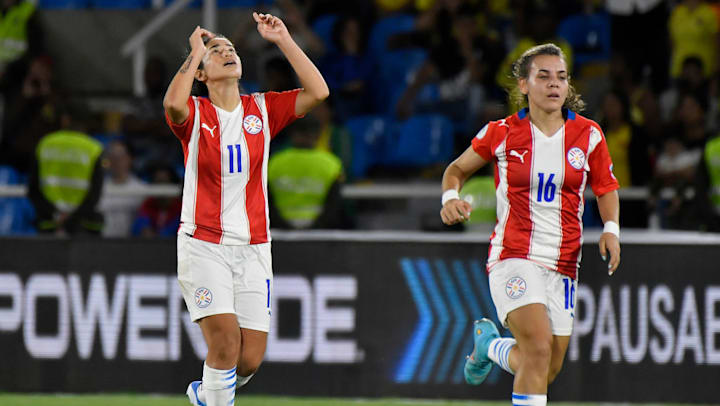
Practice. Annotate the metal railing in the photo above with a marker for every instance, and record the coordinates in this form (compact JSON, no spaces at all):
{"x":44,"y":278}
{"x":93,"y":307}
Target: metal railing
{"x":135,"y":46}
{"x":358,"y":192}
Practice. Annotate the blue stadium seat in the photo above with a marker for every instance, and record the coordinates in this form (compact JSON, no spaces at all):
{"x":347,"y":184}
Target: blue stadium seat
{"x":398,"y":66}
{"x":423,"y":140}
{"x":17,"y":215}
{"x":60,"y":4}
{"x":385,"y":28}
{"x":323,"y":27}
{"x":394,"y":71}
{"x":369,"y":140}
{"x":120,"y":4}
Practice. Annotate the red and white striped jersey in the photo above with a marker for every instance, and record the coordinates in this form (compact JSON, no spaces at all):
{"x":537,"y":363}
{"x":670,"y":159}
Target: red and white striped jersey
{"x":540,"y":181}
{"x":226,"y":153}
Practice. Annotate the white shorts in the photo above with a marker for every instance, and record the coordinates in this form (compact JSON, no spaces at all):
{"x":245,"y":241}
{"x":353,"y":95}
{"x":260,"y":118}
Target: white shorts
{"x":518,"y":282}
{"x":217,"y":279}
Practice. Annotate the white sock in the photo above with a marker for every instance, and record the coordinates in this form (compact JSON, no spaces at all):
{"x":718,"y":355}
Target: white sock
{"x":241,"y":381}
{"x":218,"y":386}
{"x":524,"y":399}
{"x":499,"y":352}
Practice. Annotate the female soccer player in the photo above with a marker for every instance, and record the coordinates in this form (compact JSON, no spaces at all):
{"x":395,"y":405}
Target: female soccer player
{"x":544,"y":155}
{"x":224,"y":262}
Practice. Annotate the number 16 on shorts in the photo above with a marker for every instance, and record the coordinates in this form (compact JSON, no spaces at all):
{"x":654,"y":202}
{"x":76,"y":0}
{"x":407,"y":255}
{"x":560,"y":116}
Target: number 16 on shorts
{"x":570,"y":284}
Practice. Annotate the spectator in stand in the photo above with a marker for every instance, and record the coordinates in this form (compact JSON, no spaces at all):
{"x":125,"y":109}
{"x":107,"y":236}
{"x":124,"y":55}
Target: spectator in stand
{"x":635,"y":22}
{"x":333,"y":137}
{"x":626,"y":143}
{"x":692,"y":79}
{"x":119,"y":210}
{"x":159,"y":216}
{"x":711,"y":175}
{"x":67,"y":179}
{"x":305,"y":183}
{"x":21,"y":39}
{"x":677,"y":165}
{"x":144,"y":126}
{"x":588,"y":33}
{"x":255,"y":51}
{"x":459,"y":57}
{"x":33,"y":113}
{"x":278,"y":75}
{"x":537,"y":26}
{"x":630,"y":151}
{"x":693,"y":28}
{"x":394,"y":6}
{"x":347,"y":70}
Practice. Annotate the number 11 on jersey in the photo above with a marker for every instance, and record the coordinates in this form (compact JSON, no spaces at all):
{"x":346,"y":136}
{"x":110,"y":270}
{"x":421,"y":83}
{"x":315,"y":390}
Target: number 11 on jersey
{"x":232,"y":159}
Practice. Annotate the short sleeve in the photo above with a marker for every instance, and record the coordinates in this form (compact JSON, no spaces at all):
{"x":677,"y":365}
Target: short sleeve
{"x":601,"y":177}
{"x":482,"y":144}
{"x":184,"y":129}
{"x":281,"y":109}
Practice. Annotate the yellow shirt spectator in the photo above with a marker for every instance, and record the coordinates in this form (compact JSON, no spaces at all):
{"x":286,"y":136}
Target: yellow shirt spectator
{"x":618,"y":142}
{"x":693,"y":33}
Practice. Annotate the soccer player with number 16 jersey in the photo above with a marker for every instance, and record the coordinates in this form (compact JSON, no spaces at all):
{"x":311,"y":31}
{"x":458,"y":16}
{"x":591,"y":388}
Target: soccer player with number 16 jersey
{"x":223,"y":247}
{"x":545,"y":155}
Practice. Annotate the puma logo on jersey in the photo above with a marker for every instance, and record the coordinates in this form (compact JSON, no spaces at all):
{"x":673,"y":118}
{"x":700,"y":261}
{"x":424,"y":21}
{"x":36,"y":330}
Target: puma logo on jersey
{"x":503,"y":123}
{"x":517,"y":154}
{"x":205,"y":126}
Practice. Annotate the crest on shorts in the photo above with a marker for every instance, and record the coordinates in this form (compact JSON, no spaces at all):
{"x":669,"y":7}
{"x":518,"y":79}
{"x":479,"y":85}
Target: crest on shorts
{"x":252,"y":124}
{"x":576,"y":158}
{"x":203,"y":297}
{"x":515,"y":287}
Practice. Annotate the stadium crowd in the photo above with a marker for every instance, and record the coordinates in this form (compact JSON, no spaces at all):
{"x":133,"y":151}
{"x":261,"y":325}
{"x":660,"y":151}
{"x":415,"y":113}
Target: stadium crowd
{"x":411,"y":82}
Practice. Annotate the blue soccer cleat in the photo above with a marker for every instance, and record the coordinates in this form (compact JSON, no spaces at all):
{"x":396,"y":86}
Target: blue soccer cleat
{"x":478,"y":366}
{"x":193,"y":395}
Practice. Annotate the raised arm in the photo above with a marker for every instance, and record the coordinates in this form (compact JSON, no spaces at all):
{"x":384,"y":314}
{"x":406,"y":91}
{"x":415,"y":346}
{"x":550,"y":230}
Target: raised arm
{"x":177,"y":94}
{"x":315,"y":90}
{"x":455,"y":210}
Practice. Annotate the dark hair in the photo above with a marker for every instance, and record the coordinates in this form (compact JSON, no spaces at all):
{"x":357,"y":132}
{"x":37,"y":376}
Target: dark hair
{"x":338,"y":30}
{"x":521,"y":70}
{"x":693,"y":61}
{"x":199,"y":88}
{"x":123,"y":143}
{"x":625,"y":106}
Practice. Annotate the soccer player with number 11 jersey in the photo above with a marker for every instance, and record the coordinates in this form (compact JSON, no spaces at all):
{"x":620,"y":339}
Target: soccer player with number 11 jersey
{"x":544,"y":155}
{"x":223,"y":247}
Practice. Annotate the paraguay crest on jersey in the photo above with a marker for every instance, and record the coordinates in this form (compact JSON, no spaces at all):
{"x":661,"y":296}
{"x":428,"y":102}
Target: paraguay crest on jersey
{"x":252,"y":124}
{"x":576,"y":158}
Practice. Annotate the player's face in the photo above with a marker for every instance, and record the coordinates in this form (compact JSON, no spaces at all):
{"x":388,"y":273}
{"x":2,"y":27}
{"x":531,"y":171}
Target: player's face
{"x":221,"y":61}
{"x":547,"y":82}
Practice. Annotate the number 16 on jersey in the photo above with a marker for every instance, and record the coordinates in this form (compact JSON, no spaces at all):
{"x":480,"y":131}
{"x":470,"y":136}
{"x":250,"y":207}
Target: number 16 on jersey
{"x":235,"y":158}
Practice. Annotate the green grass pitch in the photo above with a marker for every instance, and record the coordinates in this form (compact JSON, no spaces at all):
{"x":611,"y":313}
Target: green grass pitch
{"x":7,"y":399}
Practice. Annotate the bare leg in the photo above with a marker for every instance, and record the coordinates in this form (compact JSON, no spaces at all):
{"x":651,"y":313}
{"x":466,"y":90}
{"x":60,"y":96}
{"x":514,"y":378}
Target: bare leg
{"x":252,"y":351}
{"x":531,"y":327}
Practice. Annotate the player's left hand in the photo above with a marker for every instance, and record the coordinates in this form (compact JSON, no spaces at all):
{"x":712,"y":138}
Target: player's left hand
{"x":270,"y":27}
{"x":609,"y":242}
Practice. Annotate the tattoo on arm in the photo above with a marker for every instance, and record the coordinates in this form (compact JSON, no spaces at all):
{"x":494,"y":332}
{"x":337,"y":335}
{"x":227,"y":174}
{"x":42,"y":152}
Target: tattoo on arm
{"x":186,"y":65}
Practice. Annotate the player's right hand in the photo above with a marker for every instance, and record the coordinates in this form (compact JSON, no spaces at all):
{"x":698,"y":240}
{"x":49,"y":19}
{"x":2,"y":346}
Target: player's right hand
{"x":196,"y":39}
{"x":455,"y":211}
